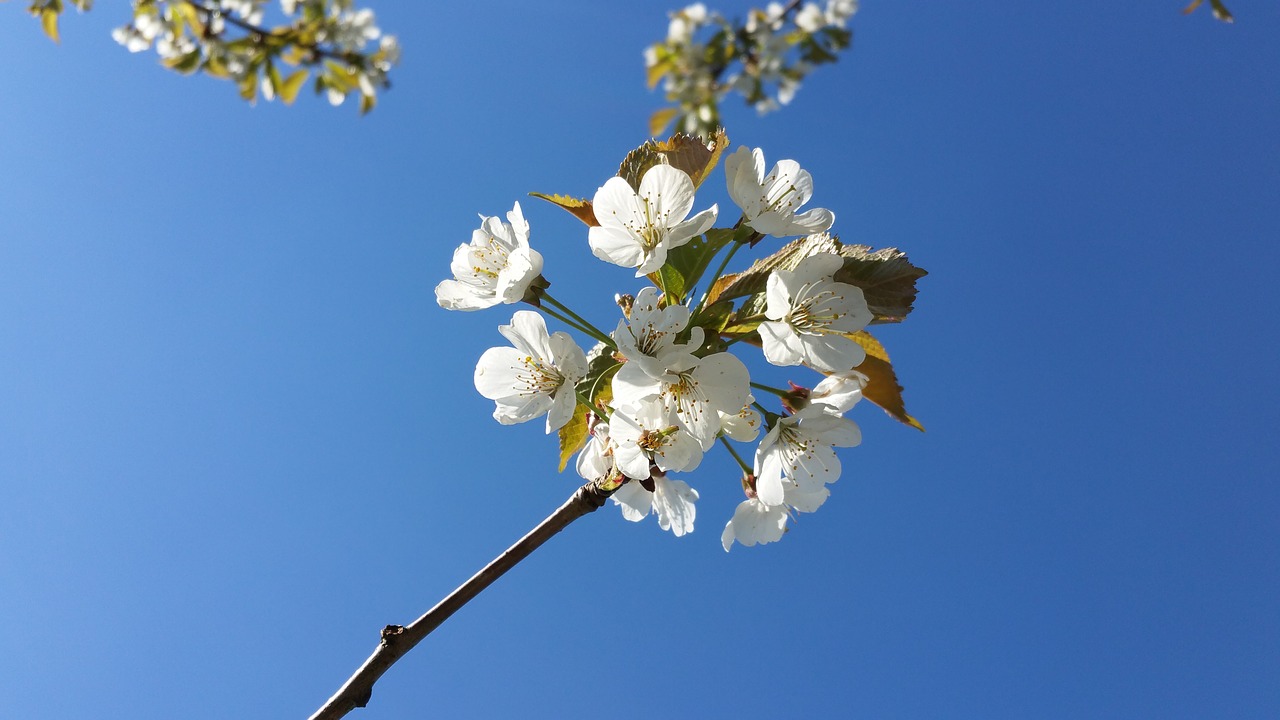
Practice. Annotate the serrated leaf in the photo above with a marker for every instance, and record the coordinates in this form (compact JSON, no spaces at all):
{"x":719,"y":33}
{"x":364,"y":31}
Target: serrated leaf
{"x":660,"y":119}
{"x":573,"y":435}
{"x":49,"y":23}
{"x":887,"y":278}
{"x":882,"y":386}
{"x":694,"y":156}
{"x":752,"y":281}
{"x":288,"y":90}
{"x":580,"y":209}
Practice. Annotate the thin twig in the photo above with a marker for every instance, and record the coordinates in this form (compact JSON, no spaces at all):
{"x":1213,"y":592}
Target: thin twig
{"x":398,"y":640}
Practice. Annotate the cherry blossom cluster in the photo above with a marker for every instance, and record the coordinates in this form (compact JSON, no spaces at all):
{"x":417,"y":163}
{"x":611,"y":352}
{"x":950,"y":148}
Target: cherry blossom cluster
{"x":764,"y":58}
{"x":663,"y":388}
{"x":226,"y":39}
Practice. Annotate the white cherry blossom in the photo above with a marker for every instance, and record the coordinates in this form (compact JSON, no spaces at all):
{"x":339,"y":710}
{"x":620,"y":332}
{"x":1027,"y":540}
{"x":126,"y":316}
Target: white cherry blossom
{"x":811,"y":19}
{"x":596,"y":459}
{"x":496,"y":267}
{"x":754,"y":522}
{"x":645,"y":433}
{"x":671,"y":500}
{"x":637,"y":229}
{"x":809,"y":315}
{"x":769,"y":204}
{"x":840,"y":391}
{"x":743,"y":426}
{"x":649,"y":339}
{"x":798,"y":451}
{"x":533,"y":378}
{"x":839,"y":11}
{"x":695,"y":395}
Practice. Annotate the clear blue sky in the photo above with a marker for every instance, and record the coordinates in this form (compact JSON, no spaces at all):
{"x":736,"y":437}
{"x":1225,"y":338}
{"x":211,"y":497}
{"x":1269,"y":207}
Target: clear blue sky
{"x":237,"y":436}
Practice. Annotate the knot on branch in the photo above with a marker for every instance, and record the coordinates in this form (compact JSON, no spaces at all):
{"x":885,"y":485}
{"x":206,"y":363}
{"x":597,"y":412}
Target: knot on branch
{"x":391,"y":633}
{"x":592,"y":496}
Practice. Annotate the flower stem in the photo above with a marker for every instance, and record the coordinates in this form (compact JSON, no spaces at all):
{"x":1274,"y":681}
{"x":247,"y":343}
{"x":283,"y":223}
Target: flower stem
{"x":398,"y":640}
{"x":582,"y":323}
{"x":773,"y":390}
{"x":716,"y":275}
{"x":741,"y":463}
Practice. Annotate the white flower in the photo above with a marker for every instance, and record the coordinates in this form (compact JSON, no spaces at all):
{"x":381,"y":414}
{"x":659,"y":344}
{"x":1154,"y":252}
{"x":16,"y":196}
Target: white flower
{"x":769,"y":204}
{"x":671,"y":500}
{"x":685,"y":22}
{"x":649,"y":339}
{"x":496,"y":267}
{"x":743,"y":426}
{"x":350,"y":30}
{"x":646,"y":432}
{"x":696,"y":395}
{"x":753,"y":522}
{"x":798,"y":452}
{"x":638,"y":228}
{"x":535,"y":377}
{"x":839,"y":11}
{"x":810,"y":18}
{"x":131,"y":38}
{"x":810,"y":314}
{"x":839,"y":392}
{"x":596,"y":459}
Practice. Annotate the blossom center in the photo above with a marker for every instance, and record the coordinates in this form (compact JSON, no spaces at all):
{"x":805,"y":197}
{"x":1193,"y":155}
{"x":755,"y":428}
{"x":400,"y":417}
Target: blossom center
{"x":537,"y":377}
{"x":781,"y":195}
{"x":815,"y":309}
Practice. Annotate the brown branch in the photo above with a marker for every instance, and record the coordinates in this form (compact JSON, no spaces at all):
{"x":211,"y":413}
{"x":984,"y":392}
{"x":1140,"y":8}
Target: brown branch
{"x":398,"y":640}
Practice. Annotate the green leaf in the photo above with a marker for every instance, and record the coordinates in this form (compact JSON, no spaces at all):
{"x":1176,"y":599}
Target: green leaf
{"x":655,"y":72}
{"x":714,"y":317}
{"x":882,"y":386}
{"x":249,"y":85}
{"x":660,"y":119}
{"x":367,"y":103}
{"x":49,"y":22}
{"x":186,"y":63}
{"x":580,"y":209}
{"x":573,"y":435}
{"x":288,"y":90}
{"x":686,"y":264}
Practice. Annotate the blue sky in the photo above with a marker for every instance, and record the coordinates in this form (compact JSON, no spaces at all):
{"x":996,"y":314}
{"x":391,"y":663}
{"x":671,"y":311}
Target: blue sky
{"x":237,"y":436}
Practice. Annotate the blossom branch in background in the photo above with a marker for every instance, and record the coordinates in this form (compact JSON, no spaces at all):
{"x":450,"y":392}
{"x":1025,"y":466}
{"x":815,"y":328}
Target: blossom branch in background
{"x":764,"y":58}
{"x":331,"y":39}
